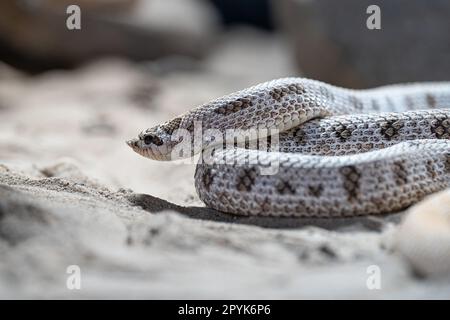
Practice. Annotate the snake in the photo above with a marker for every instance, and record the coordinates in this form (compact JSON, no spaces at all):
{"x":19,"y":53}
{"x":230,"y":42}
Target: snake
{"x":320,"y":151}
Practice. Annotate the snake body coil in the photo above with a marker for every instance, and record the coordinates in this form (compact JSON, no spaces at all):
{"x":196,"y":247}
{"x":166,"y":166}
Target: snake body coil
{"x":341,"y":152}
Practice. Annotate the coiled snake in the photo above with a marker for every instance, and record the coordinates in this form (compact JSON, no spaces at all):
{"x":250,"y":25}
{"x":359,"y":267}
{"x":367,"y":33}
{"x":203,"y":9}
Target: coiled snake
{"x":341,"y":152}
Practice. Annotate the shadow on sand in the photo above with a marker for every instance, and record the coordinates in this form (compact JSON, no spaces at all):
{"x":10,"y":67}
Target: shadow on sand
{"x":156,"y":205}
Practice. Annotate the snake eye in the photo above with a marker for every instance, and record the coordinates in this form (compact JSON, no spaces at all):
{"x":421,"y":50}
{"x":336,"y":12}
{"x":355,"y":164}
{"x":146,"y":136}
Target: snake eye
{"x":149,"y":139}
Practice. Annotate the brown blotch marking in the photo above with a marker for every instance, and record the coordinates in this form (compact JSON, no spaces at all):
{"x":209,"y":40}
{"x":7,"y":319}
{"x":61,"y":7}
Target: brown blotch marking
{"x":223,"y":197}
{"x":301,"y":206}
{"x":379,"y":202}
{"x":284,"y":187}
{"x":234,"y":106}
{"x":300,"y":136}
{"x":246,"y":179}
{"x":279,"y":92}
{"x":400,"y":172}
{"x":390,"y":128}
{"x":431,"y":169}
{"x":171,"y":125}
{"x":440,"y":127}
{"x":357,"y":103}
{"x":431,"y":100}
{"x":265,"y":205}
{"x":351,"y":179}
{"x":207,"y":178}
{"x":343,"y":132}
{"x":315,"y":191}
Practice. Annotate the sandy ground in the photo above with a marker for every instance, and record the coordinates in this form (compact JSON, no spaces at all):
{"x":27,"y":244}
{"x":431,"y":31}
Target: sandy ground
{"x":73,"y":193}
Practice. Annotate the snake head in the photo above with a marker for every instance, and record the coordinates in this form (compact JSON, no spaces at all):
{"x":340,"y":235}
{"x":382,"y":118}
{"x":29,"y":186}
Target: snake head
{"x":153,"y":143}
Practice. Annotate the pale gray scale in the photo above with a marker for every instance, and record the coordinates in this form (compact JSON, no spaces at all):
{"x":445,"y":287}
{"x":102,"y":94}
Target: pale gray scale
{"x":400,"y":98}
{"x":302,"y":171}
{"x":365,"y":132}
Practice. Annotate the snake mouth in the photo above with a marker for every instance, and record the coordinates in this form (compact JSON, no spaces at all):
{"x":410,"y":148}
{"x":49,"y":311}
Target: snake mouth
{"x":147,"y":152}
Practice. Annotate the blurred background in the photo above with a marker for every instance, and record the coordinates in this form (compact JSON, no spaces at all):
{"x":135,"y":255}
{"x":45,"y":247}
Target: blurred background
{"x":328,"y":41}
{"x":79,"y":94}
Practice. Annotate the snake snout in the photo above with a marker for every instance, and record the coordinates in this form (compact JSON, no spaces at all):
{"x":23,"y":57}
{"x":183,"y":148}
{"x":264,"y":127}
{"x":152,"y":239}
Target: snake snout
{"x":132,"y":143}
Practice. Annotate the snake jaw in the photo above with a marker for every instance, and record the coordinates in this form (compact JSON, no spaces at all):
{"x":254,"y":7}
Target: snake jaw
{"x":132,"y":143}
{"x":152,"y":144}
{"x":152,"y":152}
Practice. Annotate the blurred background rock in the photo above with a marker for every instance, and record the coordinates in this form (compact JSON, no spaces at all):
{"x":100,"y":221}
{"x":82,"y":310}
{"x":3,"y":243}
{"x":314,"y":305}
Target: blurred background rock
{"x":329,"y":39}
{"x":33,"y":33}
{"x":333,"y":44}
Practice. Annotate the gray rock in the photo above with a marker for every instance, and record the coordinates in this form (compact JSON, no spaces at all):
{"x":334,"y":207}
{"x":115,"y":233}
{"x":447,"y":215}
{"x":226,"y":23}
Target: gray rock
{"x":37,"y":38}
{"x":333,"y":44}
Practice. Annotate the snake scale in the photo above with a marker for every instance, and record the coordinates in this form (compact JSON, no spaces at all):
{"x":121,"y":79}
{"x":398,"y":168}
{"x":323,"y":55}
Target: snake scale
{"x":341,"y":152}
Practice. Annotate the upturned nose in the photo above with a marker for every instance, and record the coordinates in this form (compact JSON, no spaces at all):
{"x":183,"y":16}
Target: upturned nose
{"x":132,"y":143}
